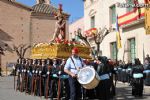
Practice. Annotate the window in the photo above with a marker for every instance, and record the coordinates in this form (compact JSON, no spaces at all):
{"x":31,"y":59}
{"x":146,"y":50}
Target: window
{"x":113,"y":50}
{"x":113,"y":14}
{"x":92,"y":21}
{"x":132,"y":51}
{"x":130,"y":2}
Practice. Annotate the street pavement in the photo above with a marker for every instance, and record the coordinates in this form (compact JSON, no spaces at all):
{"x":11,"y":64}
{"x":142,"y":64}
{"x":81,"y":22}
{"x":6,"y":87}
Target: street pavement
{"x":7,"y":92}
{"x":124,"y":92}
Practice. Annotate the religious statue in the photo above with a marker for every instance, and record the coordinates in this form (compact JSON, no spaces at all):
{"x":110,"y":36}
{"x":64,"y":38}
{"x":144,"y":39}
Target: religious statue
{"x":59,"y":32}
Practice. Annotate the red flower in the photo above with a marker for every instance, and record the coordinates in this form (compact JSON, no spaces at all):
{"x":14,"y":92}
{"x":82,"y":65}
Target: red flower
{"x":70,"y":42}
{"x":66,"y":41}
{"x":58,"y":40}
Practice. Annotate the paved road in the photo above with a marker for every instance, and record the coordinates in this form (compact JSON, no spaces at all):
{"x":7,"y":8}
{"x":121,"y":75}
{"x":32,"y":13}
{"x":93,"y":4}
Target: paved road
{"x":7,"y":92}
{"x":124,"y":92}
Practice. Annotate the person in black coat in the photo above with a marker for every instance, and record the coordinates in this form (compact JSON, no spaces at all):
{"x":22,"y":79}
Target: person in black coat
{"x":147,"y":72}
{"x":137,"y":81}
{"x":103,"y":89}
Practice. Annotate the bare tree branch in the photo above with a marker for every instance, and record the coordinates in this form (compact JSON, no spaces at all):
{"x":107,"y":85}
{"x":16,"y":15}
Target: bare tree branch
{"x":84,"y":39}
{"x":98,"y":38}
{"x":21,"y":50}
{"x":25,"y":49}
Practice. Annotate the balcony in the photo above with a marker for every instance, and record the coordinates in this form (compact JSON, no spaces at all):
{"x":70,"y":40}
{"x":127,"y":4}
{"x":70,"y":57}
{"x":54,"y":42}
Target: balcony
{"x":131,"y":18}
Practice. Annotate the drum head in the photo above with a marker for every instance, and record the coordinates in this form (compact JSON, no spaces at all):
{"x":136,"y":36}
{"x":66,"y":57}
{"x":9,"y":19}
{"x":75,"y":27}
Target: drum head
{"x":86,"y":75}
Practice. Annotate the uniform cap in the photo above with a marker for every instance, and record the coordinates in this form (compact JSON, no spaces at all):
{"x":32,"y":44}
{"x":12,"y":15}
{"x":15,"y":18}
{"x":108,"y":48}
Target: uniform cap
{"x":75,"y":49}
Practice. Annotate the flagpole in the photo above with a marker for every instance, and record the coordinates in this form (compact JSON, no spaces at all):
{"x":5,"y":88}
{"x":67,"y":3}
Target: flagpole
{"x":116,"y":53}
{"x":124,"y":52}
{"x":143,"y":53}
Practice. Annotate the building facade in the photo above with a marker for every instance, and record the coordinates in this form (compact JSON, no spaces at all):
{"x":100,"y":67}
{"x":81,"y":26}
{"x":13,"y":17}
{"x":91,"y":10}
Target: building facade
{"x":73,"y":27}
{"x":101,"y":13}
{"x":20,"y":24}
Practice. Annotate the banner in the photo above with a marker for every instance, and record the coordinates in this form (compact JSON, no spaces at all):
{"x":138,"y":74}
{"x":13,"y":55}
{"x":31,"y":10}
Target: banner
{"x":147,"y":18}
{"x":118,"y":38}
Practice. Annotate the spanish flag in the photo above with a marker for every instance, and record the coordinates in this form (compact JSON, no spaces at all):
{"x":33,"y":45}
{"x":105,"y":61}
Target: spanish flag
{"x":118,"y":38}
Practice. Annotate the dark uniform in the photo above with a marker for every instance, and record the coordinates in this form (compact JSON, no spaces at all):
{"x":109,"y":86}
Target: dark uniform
{"x":34,"y":64}
{"x":18,"y":73}
{"x":112,"y":72}
{"x":44,"y":74}
{"x":48,"y":88}
{"x":54,"y":81}
{"x":63,"y":81}
{"x":22,"y":70}
{"x":26,"y":75}
{"x":103,"y":89}
{"x":29,"y":76}
{"x":124,"y":73}
{"x":38,"y":83}
{"x":147,"y":72}
{"x":119,"y":71}
{"x":129,"y":70}
{"x":137,"y":81}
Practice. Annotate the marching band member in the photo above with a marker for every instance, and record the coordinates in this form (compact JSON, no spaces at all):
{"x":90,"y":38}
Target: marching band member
{"x":72,"y":66}
{"x":29,"y":76}
{"x":147,"y":72}
{"x":137,"y":81}
{"x":18,"y":72}
{"x":103,"y":89}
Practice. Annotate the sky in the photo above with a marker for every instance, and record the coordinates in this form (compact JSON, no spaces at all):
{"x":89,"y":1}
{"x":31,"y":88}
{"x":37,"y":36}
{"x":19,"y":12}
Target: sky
{"x":72,"y":7}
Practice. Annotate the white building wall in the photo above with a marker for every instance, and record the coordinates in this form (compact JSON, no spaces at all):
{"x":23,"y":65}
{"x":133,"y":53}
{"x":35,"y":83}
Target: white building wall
{"x":74,"y":27}
{"x":101,"y":10}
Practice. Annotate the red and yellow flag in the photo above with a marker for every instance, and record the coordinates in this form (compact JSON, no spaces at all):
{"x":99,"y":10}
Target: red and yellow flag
{"x":91,"y":32}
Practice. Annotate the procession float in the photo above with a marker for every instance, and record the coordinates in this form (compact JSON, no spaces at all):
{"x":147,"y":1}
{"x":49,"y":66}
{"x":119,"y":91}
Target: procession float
{"x":59,"y":47}
{"x":58,"y":50}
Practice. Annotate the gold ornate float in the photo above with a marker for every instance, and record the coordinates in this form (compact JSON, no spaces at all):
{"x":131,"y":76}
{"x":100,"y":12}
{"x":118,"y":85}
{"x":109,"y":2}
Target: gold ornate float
{"x":45,"y":50}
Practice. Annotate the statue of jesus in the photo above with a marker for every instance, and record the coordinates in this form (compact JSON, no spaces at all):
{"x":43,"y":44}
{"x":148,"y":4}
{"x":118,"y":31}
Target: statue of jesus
{"x":60,"y":26}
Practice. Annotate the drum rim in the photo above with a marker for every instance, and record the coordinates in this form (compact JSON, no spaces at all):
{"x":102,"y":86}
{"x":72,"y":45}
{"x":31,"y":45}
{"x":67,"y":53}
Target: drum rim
{"x":90,"y":80}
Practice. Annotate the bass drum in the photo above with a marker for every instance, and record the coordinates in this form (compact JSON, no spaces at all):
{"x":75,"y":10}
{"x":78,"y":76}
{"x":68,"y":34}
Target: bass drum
{"x":88,"y":77}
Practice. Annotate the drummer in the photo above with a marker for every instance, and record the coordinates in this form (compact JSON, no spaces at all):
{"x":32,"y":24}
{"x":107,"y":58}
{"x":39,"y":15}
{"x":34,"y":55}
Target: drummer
{"x":72,"y":66}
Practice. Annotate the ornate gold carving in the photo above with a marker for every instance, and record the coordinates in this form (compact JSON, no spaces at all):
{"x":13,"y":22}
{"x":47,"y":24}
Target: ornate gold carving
{"x":58,"y":51}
